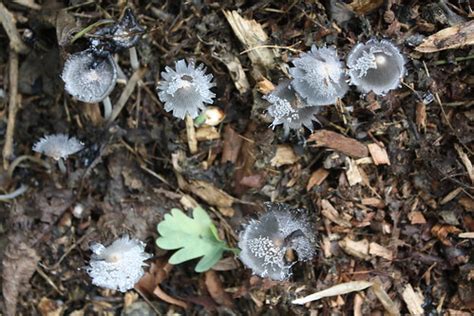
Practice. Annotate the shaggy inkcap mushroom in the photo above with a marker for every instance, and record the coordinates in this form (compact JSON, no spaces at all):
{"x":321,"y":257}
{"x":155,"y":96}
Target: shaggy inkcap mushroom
{"x":265,"y":241}
{"x":58,"y":147}
{"x":287,"y":108}
{"x":319,"y":76}
{"x":118,"y":266}
{"x":89,"y":78}
{"x":121,"y":35}
{"x":376,"y":66}
{"x":186,"y":89}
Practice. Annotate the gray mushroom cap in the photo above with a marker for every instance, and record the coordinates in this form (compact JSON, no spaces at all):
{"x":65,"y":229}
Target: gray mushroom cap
{"x":264,"y":242}
{"x":319,"y":76}
{"x":185,"y":90}
{"x":89,"y":79}
{"x":376,"y":66}
{"x":287,"y":108}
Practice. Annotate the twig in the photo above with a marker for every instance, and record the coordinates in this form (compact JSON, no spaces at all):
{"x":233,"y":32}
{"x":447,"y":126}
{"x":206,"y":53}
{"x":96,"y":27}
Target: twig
{"x":12,"y":108}
{"x":126,"y":93}
{"x":22,"y":158}
{"x":8,"y":22}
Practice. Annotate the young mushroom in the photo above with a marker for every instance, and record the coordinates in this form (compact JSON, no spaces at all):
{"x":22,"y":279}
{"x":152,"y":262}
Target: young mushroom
{"x":118,"y":266}
{"x":376,"y":66}
{"x":288,"y":109}
{"x":90,"y":78}
{"x":264,"y":242}
{"x":319,"y":77}
{"x":58,"y":147}
{"x":186,"y":89}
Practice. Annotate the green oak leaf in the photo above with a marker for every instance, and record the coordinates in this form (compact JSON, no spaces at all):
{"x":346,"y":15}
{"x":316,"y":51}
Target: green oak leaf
{"x":194,"y":237}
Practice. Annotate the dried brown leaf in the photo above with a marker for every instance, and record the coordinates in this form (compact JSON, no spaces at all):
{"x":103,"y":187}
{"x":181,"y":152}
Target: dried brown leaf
{"x":216,"y":290}
{"x":19,"y":264}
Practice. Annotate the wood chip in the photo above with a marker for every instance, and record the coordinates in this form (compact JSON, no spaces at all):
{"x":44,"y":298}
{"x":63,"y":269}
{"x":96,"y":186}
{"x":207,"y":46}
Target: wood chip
{"x":380,"y":251}
{"x":284,"y":155}
{"x":265,"y":86}
{"x":251,"y":34}
{"x":416,"y":217}
{"x":449,"y":38}
{"x":236,"y":71}
{"x":465,"y":158}
{"x":420,"y":117}
{"x":317,"y":177}
{"x":379,"y":154}
{"x":375,"y":202}
{"x":389,"y":305}
{"x":359,"y":249}
{"x":231,"y":146}
{"x":352,"y":173}
{"x":340,"y":143}
{"x":207,"y":133}
{"x":413,"y":300}
{"x":339,"y":289}
{"x":450,"y":196}
{"x":332,"y":214}
{"x":466,"y":235}
{"x":210,"y":193}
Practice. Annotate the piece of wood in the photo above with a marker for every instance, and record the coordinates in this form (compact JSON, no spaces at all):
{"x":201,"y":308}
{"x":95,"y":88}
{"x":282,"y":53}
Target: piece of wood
{"x":284,"y":155}
{"x":339,"y":289}
{"x":9,"y":25}
{"x":452,"y":37}
{"x":379,"y":154}
{"x":332,"y":214}
{"x":413,"y":300}
{"x":359,"y":249}
{"x":352,"y":172}
{"x":340,"y":143}
{"x":317,"y":177}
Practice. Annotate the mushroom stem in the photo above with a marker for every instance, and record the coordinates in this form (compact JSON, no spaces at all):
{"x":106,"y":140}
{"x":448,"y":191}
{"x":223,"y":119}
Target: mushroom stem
{"x":107,"y":108}
{"x":61,"y":165}
{"x":134,"y":63}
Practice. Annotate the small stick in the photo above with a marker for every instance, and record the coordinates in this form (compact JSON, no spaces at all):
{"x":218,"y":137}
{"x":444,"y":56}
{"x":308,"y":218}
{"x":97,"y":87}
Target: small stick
{"x":8,"y":22}
{"x":12,"y":109}
{"x":126,"y":93}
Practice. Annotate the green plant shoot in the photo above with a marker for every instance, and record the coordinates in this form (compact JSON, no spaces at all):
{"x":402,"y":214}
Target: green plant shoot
{"x":194,"y":237}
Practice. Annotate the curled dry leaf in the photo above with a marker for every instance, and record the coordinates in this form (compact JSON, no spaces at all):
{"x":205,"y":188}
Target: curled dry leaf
{"x":19,"y":264}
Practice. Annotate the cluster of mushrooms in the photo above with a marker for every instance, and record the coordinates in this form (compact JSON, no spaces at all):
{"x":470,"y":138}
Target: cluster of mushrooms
{"x":319,"y":78}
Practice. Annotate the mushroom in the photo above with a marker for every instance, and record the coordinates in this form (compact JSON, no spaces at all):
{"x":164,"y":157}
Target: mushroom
{"x":186,"y":89}
{"x":58,"y":147}
{"x":287,"y":108}
{"x":124,"y":34}
{"x":118,"y":266}
{"x":376,"y":66}
{"x":90,"y":78}
{"x":319,"y":77}
{"x":264,"y":242}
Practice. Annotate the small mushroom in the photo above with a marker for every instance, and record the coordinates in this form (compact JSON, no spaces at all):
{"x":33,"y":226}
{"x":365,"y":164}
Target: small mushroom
{"x":90,"y":79}
{"x":186,"y":89}
{"x":118,"y":266}
{"x":376,"y":66}
{"x":264,"y":242}
{"x":287,"y":108}
{"x":319,"y":77}
{"x":58,"y":147}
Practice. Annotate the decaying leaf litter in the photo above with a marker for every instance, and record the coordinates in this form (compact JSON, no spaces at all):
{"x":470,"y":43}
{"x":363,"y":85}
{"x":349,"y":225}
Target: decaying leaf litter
{"x":387,"y":180}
